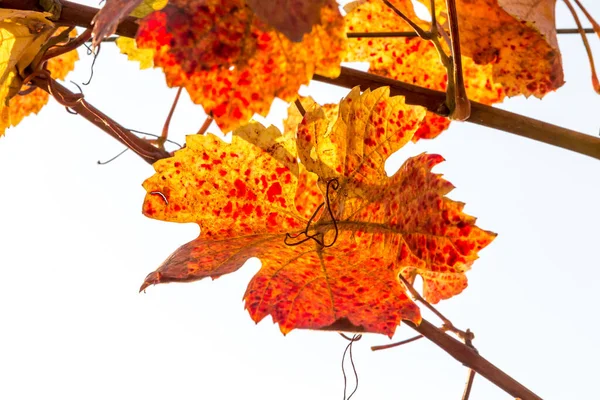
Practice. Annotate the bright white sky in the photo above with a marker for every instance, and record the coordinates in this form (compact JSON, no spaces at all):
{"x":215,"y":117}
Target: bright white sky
{"x":74,"y":249}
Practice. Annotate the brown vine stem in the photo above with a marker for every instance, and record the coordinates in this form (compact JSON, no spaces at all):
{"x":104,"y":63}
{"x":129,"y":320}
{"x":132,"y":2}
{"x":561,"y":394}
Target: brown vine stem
{"x":471,"y":359}
{"x":71,"y":45}
{"x":481,"y":114}
{"x":464,"y":354}
{"x":72,"y":14}
{"x":160,"y":141}
{"x":140,"y":146}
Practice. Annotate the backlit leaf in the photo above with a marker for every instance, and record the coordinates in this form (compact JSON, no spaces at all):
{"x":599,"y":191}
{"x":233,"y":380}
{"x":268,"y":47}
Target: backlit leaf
{"x":247,"y":195}
{"x":516,"y":37}
{"x":231,"y":62}
{"x":412,"y":60}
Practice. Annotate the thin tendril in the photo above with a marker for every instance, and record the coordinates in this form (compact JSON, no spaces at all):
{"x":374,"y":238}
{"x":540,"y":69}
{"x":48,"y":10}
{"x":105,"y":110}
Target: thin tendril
{"x":354,"y":370}
{"x":161,"y":195}
{"x":114,"y":158}
{"x":78,"y":87}
{"x":305,"y":232}
{"x":96,"y":54}
{"x":348,"y":349}
{"x":131,"y":130}
{"x":333,"y":183}
{"x":389,"y":346}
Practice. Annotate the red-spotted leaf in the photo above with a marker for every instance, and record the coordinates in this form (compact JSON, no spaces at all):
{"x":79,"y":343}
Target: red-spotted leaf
{"x":334,"y":232}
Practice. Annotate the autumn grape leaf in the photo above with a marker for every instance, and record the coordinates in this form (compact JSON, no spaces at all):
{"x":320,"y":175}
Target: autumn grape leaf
{"x":114,"y":11}
{"x":22,"y":35}
{"x":231,"y":62}
{"x":247,"y":195}
{"x":516,"y":37}
{"x":293,"y":18}
{"x":412,"y":60}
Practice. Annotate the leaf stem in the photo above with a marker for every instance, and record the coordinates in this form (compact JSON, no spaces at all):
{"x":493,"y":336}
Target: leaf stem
{"x":459,"y":105}
{"x":357,"y":35}
{"x":586,"y":44}
{"x":205,"y":125}
{"x":165,"y":131}
{"x":420,"y":32}
{"x":299,"y":106}
{"x":595,"y":25}
{"x":400,"y":343}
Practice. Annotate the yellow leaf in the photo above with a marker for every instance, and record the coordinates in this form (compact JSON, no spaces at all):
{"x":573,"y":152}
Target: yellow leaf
{"x":22,"y":35}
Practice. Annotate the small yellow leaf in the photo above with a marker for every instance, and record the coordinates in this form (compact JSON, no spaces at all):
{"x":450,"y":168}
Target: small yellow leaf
{"x":128,"y":47}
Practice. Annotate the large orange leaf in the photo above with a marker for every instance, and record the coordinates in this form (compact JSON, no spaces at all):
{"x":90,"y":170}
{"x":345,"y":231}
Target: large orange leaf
{"x":247,"y":195}
{"x":412,"y":60}
{"x":231,"y":62}
{"x":516,"y":37}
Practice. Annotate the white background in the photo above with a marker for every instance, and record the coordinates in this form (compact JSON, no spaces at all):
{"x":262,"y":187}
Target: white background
{"x":74,"y":249}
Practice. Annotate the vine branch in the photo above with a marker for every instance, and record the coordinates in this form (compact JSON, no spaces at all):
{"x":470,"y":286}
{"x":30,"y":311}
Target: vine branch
{"x":481,"y":114}
{"x":141,"y":147}
{"x":461,"y":352}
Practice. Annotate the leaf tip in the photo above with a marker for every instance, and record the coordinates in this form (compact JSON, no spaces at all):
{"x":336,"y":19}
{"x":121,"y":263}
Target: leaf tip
{"x":152,"y":279}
